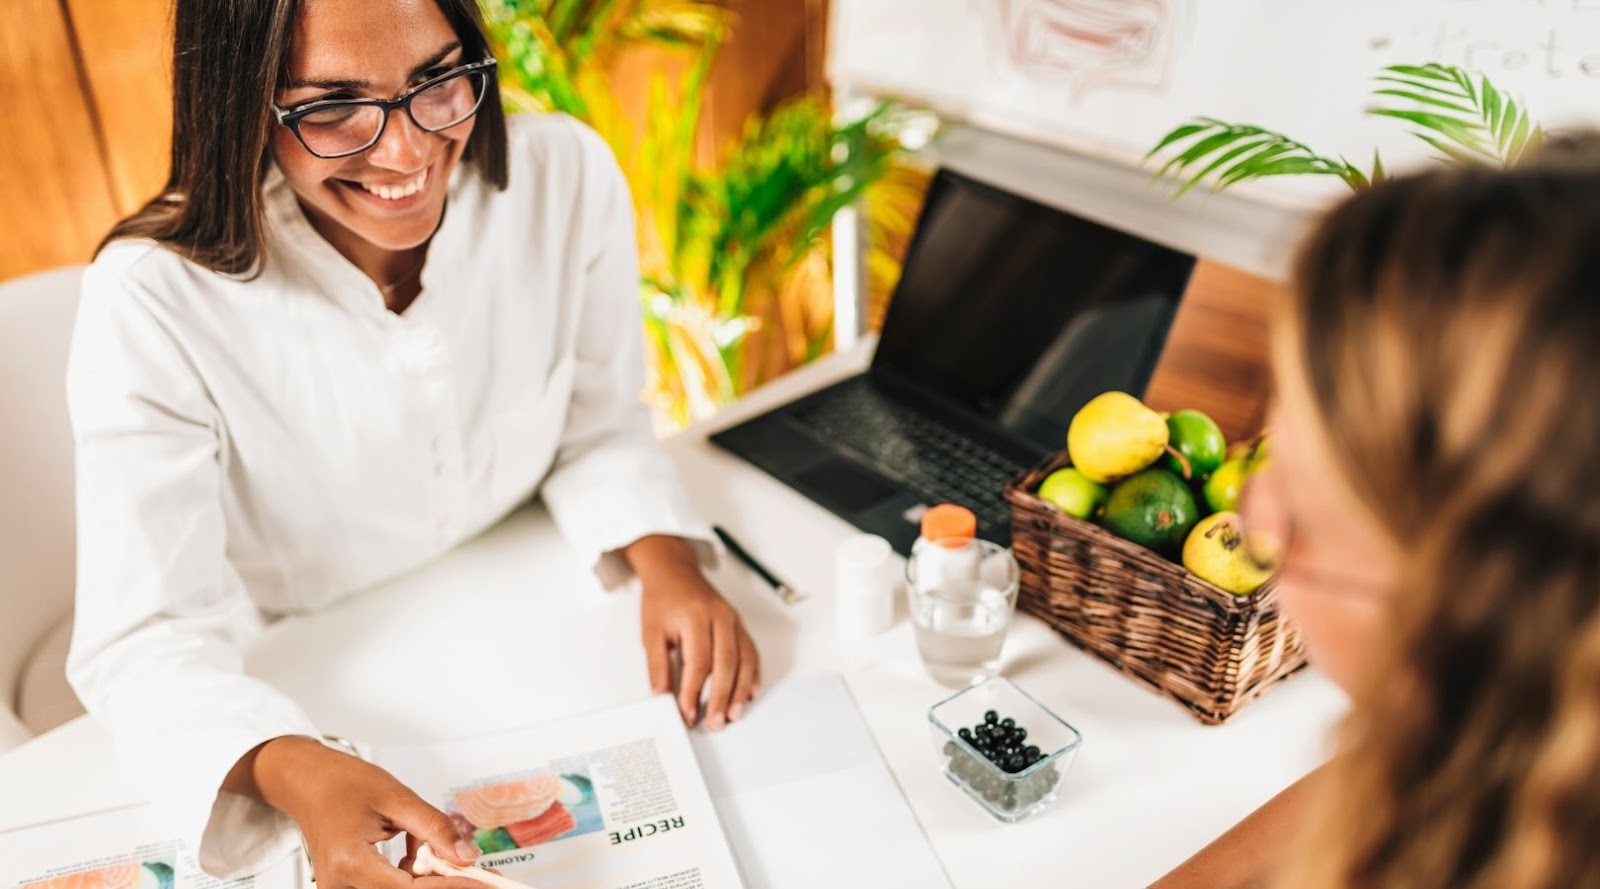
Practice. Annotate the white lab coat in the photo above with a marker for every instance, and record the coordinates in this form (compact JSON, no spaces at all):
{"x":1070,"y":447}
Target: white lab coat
{"x":253,"y":448}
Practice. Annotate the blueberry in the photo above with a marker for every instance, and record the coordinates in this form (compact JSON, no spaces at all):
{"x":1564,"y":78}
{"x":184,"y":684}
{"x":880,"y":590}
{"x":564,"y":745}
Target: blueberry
{"x":1020,"y":733}
{"x":1031,"y":752}
{"x":1008,"y":723}
{"x":991,"y":717}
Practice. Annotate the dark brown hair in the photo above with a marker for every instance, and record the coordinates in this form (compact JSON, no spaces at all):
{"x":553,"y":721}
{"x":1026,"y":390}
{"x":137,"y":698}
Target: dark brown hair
{"x":227,"y":65}
{"x":1446,"y":327}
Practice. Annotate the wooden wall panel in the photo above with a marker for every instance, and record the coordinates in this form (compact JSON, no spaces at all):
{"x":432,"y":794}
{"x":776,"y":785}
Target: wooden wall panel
{"x":55,"y":200}
{"x":126,"y":46}
{"x":1216,"y":360}
{"x":776,"y":51}
{"x":774,"y":55}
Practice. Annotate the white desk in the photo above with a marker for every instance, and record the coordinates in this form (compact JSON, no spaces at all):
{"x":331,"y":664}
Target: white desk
{"x":1150,"y":786}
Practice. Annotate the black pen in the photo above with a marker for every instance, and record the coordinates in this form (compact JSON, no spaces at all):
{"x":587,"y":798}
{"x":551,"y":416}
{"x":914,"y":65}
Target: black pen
{"x":784,"y":591}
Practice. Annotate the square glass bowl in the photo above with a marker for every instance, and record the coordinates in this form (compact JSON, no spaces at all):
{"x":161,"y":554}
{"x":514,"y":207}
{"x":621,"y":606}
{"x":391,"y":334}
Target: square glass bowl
{"x":1008,"y":796}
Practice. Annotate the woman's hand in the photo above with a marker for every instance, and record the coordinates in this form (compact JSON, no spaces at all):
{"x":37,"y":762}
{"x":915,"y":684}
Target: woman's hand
{"x":344,"y":807}
{"x":680,"y":610}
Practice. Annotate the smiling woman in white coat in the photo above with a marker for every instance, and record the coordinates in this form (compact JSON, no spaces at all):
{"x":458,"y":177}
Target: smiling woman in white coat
{"x":368,"y":316}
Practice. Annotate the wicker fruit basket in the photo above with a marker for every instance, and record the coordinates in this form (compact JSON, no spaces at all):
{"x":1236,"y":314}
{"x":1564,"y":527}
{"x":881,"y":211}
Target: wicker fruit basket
{"x":1206,"y":648}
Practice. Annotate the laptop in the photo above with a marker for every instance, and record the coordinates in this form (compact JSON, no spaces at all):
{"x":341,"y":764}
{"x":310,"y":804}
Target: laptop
{"x":1008,"y":317}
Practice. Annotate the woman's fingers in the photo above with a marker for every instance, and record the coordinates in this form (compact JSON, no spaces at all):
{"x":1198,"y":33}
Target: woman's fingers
{"x":427,"y":824}
{"x":695,"y":648}
{"x":725,"y":634}
{"x":744,"y":686}
{"x":658,"y":657}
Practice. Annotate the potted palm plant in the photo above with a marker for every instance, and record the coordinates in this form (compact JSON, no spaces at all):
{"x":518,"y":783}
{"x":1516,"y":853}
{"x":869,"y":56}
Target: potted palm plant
{"x":735,"y":265}
{"x":1465,"y":120}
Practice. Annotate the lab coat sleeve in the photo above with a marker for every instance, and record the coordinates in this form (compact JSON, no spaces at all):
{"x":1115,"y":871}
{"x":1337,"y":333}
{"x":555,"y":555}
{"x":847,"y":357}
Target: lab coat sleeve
{"x":611,"y":483}
{"x":160,"y":612}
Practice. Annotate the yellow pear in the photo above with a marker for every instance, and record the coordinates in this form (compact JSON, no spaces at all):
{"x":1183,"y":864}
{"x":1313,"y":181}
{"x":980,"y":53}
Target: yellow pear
{"x":1216,"y":553}
{"x":1115,"y":435}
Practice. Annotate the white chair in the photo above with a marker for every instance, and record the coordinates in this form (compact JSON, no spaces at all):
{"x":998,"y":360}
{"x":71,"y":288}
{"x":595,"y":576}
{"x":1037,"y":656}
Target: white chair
{"x":36,"y":504}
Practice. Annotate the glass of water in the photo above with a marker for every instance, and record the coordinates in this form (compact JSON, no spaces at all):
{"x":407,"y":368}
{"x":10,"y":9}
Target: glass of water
{"x":961,"y":600}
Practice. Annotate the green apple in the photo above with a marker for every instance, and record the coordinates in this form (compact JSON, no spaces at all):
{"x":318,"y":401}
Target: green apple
{"x":1073,"y":493}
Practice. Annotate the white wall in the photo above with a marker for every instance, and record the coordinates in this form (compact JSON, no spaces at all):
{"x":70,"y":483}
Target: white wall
{"x":1109,"y":77}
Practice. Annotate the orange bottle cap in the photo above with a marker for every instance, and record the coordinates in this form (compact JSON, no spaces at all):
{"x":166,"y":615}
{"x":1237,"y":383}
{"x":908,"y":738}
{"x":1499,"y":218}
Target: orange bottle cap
{"x":947,"y":521}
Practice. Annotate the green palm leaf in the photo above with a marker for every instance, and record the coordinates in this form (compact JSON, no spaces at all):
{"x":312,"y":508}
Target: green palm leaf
{"x":1228,"y":153}
{"x":1464,"y":120}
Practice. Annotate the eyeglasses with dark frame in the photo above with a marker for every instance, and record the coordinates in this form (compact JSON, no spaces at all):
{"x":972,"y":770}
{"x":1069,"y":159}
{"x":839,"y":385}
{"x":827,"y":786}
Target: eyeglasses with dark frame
{"x":332,"y":128}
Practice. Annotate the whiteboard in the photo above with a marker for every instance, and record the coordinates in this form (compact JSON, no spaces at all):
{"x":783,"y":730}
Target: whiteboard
{"x":1110,"y":77}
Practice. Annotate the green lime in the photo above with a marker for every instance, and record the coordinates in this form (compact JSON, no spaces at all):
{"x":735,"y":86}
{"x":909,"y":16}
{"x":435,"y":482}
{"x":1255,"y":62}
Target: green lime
{"x":1221,"y":491}
{"x":1073,"y":492}
{"x":1154,"y":509}
{"x":1198,"y":438}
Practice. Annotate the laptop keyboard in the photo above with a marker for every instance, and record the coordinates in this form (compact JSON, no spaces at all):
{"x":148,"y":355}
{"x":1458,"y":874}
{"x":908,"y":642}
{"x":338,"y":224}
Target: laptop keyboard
{"x":936,"y":463}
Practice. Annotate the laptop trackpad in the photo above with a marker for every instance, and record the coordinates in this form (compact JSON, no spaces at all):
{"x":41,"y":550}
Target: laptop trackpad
{"x":844,"y":487}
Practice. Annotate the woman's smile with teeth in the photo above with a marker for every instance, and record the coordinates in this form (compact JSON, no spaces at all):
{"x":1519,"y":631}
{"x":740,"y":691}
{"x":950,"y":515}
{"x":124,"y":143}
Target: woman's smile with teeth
{"x":401,"y":190}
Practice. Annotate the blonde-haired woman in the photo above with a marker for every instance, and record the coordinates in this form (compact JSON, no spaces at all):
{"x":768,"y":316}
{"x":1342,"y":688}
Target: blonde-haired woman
{"x":1435,"y":493}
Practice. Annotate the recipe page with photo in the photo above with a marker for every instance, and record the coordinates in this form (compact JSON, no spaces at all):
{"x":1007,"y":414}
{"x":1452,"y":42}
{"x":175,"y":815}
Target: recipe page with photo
{"x":118,"y":849}
{"x":611,"y":800}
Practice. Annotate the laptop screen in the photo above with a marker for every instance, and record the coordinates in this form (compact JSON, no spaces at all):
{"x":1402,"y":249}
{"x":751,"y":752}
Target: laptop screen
{"x":1021,"y":312}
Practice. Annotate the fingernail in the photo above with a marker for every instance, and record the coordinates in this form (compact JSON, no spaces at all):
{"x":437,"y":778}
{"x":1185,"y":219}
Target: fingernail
{"x":716,"y":721}
{"x":466,"y":851}
{"x":736,"y":712}
{"x":689,"y":716}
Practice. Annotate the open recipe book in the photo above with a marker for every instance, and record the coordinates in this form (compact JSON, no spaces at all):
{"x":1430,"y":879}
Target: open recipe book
{"x":611,"y":800}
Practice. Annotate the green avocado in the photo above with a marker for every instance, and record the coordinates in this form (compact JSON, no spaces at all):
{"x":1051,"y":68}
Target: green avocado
{"x":1154,"y":509}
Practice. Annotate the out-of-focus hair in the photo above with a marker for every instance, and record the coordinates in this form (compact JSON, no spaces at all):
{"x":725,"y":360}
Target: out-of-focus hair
{"x":1447,"y":328}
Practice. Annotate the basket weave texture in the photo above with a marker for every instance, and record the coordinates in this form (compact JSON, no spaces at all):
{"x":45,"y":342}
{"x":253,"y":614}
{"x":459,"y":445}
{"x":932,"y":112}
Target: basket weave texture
{"x":1149,"y":617}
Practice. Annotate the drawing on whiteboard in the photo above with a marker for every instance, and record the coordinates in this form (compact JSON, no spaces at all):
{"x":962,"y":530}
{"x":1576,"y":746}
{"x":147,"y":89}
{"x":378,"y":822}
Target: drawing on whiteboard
{"x":1085,"y":43}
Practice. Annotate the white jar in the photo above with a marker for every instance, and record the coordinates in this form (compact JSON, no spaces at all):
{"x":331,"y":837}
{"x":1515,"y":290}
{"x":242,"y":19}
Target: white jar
{"x":863,"y":586}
